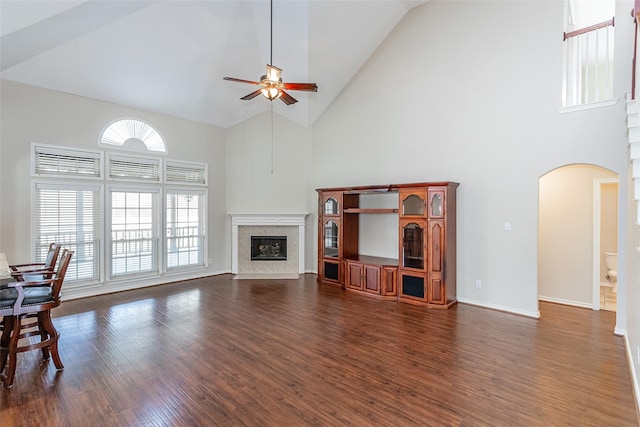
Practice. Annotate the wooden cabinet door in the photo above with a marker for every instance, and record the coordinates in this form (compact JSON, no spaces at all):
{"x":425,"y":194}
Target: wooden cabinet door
{"x":413,"y":235}
{"x":413,"y":203}
{"x":331,"y":271}
{"x":355,"y":273}
{"x":436,"y":203}
{"x":330,"y":204}
{"x":371,"y":280}
{"x":436,"y":243}
{"x":330,"y":240}
{"x":389,"y":281}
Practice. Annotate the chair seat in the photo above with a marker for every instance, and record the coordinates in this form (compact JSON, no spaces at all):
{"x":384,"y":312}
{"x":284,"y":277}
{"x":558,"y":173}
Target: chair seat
{"x":32,"y":295}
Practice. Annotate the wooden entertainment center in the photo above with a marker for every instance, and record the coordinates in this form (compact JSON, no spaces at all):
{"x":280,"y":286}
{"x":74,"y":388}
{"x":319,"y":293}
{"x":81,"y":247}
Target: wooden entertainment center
{"x":424,"y":272}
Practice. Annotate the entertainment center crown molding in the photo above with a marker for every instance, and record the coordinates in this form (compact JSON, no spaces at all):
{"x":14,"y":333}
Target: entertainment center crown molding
{"x":266,"y":220}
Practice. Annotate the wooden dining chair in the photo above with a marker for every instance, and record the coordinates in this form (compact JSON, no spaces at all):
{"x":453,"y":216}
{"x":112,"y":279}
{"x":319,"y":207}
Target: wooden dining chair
{"x":26,"y":310}
{"x":43,"y":270}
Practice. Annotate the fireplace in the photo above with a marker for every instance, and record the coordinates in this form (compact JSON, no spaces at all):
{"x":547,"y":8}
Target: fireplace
{"x":246,"y":226}
{"x":268,"y":248}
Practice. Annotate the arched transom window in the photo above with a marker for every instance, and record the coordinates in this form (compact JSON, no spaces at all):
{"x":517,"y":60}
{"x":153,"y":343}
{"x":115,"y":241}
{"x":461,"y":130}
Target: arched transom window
{"x":133,"y":134}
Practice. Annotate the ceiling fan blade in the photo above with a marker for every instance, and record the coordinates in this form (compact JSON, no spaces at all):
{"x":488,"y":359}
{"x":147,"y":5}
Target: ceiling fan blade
{"x":287,"y":99}
{"x":252,"y":95}
{"x":310,"y":87}
{"x":240,"y":80}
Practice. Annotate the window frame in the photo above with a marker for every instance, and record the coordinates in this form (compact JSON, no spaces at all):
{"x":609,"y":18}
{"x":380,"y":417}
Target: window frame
{"x":156,"y":231}
{"x":68,"y":185}
{"x":202,"y":212}
{"x":603,"y":100}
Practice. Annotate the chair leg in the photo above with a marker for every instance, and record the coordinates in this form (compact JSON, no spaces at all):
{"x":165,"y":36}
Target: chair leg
{"x":44,"y":336}
{"x":7,"y":327}
{"x":10,"y":368}
{"x":46,"y":323}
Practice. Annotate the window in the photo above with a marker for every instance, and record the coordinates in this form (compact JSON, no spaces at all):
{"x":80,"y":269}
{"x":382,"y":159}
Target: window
{"x":60,"y":162}
{"x":588,"y":48}
{"x":112,"y":211}
{"x":134,"y":168}
{"x":134,"y":236}
{"x":134,"y":135}
{"x":70,"y":215}
{"x":186,"y":173}
{"x":184,"y":228}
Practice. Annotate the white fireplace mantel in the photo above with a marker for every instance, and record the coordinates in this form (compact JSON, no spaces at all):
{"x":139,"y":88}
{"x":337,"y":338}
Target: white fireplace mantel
{"x":291,"y":220}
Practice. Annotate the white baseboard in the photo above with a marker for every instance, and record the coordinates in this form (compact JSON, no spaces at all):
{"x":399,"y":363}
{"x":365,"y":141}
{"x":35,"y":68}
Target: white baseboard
{"x":534,"y":314}
{"x":102,"y":288}
{"x":281,"y":276}
{"x":566,"y":302}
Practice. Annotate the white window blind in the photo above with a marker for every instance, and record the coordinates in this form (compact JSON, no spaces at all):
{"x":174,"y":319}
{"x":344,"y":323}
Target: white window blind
{"x":134,"y":236}
{"x":185,"y":230}
{"x":191,"y":173}
{"x":134,"y":168}
{"x":65,"y":162}
{"x":70,"y":215}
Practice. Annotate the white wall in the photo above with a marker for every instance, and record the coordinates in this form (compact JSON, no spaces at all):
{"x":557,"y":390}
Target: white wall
{"x":629,"y":295}
{"x":565,"y":243}
{"x":31,"y":114}
{"x":268,"y":176}
{"x":469,"y":92}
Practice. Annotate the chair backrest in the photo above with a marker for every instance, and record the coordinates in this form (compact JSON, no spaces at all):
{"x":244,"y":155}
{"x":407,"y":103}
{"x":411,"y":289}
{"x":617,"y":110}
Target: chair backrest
{"x":52,"y":256}
{"x":65,"y":259}
{"x":38,"y":271}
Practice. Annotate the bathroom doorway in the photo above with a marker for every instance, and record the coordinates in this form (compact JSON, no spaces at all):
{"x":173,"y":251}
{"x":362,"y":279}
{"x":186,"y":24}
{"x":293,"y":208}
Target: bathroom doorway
{"x":605,"y":243}
{"x":571,"y":236}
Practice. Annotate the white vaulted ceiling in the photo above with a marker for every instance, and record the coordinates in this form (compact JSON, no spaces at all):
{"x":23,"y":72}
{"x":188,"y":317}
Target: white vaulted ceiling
{"x":170,"y":56}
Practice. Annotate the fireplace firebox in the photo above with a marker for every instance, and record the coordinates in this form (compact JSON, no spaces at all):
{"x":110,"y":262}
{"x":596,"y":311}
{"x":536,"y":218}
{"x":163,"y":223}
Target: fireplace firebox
{"x":268,"y":248}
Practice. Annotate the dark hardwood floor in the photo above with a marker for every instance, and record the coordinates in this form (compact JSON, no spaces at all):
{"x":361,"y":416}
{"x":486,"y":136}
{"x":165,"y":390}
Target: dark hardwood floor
{"x":218,"y":351}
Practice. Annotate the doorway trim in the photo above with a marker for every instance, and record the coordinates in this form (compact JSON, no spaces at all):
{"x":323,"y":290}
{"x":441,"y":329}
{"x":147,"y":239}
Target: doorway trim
{"x":597,"y":201}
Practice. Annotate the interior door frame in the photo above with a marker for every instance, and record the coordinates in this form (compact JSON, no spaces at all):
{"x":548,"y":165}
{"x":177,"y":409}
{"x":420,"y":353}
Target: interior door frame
{"x":597,"y":218}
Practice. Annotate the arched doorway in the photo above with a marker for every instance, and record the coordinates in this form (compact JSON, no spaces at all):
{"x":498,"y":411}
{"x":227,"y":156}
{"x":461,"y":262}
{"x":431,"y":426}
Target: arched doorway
{"x":577,"y":224}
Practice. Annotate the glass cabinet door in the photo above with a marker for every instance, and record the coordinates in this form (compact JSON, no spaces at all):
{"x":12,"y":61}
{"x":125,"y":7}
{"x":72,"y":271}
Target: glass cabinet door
{"x":331,"y":239}
{"x":331,"y":206}
{"x":413,"y":205}
{"x":413,"y":246}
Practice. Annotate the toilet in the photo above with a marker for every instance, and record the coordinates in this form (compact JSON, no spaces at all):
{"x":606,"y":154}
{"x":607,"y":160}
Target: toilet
{"x":611,"y":260}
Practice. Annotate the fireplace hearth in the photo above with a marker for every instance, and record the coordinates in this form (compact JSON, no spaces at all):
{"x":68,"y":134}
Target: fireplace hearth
{"x":268,"y":248}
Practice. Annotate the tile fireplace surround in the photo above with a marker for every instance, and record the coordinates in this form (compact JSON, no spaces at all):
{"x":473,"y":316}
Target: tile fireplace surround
{"x":243,"y":226}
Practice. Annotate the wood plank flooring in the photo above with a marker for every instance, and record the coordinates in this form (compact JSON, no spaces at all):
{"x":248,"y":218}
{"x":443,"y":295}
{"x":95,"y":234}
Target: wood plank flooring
{"x":223,"y":352}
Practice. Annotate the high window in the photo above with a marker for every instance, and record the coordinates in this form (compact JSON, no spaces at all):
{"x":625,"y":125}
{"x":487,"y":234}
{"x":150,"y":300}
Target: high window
{"x":588,"y":52}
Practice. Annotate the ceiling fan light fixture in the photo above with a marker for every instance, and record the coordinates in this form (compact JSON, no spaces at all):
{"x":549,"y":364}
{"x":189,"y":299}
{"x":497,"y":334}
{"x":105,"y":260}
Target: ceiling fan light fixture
{"x":271,"y":92}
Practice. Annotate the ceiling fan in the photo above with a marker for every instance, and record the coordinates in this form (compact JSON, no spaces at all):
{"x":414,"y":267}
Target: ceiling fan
{"x":271,"y":84}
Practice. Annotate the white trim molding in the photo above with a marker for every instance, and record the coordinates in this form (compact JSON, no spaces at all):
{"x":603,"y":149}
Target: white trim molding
{"x":292,"y":220}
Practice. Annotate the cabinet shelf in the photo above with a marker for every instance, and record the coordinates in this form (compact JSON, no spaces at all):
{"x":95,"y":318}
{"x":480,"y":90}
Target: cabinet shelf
{"x":371,"y":210}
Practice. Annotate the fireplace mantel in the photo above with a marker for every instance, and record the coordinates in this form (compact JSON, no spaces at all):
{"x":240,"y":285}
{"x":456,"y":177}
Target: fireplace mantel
{"x":289,"y":220}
